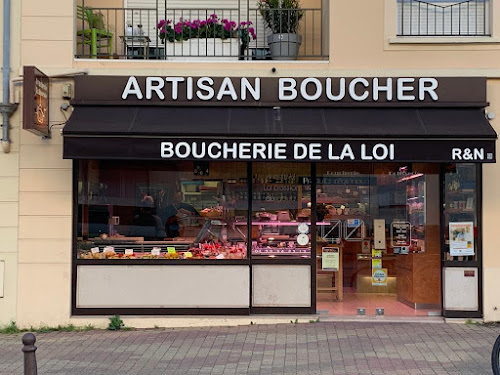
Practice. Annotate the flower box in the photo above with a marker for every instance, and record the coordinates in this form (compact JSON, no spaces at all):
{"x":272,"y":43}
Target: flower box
{"x":193,"y":49}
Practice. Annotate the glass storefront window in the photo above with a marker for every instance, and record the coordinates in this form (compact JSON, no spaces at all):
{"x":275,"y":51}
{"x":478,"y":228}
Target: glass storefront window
{"x":281,"y":210}
{"x":460,"y":213}
{"x":183,"y":210}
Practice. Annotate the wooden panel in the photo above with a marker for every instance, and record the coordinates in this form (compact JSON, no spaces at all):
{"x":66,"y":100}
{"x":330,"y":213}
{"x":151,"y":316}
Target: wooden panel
{"x":427,"y":278}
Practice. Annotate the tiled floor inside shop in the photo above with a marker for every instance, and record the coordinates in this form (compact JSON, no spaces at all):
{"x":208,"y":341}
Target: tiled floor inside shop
{"x":327,"y":304}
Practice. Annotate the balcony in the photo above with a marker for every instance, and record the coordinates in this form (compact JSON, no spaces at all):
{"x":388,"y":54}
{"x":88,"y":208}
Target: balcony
{"x":180,"y":30}
{"x":442,"y":18}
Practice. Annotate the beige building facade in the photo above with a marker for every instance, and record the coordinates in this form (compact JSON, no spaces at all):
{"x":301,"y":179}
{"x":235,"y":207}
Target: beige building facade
{"x":358,"y":38}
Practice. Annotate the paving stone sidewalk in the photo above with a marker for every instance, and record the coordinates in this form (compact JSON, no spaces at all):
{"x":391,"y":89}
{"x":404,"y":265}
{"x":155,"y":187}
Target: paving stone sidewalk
{"x":314,"y":348}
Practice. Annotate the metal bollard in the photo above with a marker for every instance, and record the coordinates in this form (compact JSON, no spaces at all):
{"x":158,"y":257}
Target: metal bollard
{"x":29,"y":350}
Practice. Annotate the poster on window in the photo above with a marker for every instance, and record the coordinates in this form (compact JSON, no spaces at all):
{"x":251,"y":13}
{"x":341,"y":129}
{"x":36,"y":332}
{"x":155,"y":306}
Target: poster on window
{"x":461,"y":238}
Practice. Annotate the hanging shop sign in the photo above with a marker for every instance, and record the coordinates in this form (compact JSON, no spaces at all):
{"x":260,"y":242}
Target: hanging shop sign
{"x":36,"y":101}
{"x":281,"y":91}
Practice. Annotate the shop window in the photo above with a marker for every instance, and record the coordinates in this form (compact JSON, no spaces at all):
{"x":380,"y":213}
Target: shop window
{"x":460,"y":213}
{"x":146,"y":210}
{"x":281,"y":210}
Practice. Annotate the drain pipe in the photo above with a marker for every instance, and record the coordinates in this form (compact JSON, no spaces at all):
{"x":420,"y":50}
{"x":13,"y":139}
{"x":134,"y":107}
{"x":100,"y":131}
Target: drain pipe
{"x":6,"y":108}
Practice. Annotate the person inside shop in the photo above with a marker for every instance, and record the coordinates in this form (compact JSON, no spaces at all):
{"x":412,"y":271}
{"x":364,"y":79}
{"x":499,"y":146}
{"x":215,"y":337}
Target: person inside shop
{"x":176,"y":213}
{"x":146,"y":223}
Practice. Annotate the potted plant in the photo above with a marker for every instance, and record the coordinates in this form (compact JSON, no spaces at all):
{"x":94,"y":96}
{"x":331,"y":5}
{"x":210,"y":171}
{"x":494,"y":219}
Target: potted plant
{"x":283,"y":18}
{"x":204,"y":37}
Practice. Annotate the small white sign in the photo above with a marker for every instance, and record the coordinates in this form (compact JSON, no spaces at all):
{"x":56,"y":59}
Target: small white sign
{"x":109,"y":249}
{"x":156,"y":251}
{"x":303,"y":228}
{"x":302,"y":239}
{"x":129,"y":251}
{"x":94,"y":250}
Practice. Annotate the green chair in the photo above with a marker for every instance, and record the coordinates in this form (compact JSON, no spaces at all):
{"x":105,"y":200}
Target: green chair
{"x":96,"y":35}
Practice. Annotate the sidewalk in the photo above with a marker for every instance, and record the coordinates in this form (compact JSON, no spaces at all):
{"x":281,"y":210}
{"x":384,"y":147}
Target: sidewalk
{"x":306,"y":348}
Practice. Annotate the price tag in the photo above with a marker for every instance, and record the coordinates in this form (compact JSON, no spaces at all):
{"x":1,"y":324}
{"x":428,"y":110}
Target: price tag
{"x":155,"y":251}
{"x":109,"y":249}
{"x":188,"y":254}
{"x":171,"y":250}
{"x":129,"y":251}
{"x":94,"y":250}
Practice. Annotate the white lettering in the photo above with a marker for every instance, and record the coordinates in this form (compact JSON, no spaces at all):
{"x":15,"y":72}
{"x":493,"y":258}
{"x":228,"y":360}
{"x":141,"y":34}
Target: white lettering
{"x":401,"y":88}
{"x":203,"y":84}
{"x":210,"y":152}
{"x":456,"y":154}
{"x":299,"y":151}
{"x":363,"y":153}
{"x":287,"y":85}
{"x":175,"y":85}
{"x":431,"y":90}
{"x":315,"y":151}
{"x":178,"y":150}
{"x":479,"y":154}
{"x":259,"y":150}
{"x":189,"y":88}
{"x":385,"y":151}
{"x":318,"y":89}
{"x":227,"y":88}
{"x":201,"y":154}
{"x":150,"y":87}
{"x":254,"y":91}
{"x":329,"y":92}
{"x":331,"y":155}
{"x":347,"y":152}
{"x":279,"y":151}
{"x":226,"y":150}
{"x":132,"y":88}
{"x":245,"y":150}
{"x":387,"y":88}
{"x":167,"y":149}
{"x":352,"y":89}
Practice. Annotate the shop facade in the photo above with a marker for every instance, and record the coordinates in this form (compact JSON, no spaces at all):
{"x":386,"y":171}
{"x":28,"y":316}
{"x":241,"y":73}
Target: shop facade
{"x":274,"y":164}
{"x":250,"y":196}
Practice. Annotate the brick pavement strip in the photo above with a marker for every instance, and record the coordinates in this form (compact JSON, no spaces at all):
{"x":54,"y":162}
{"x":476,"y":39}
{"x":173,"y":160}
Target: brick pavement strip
{"x":322,"y":348}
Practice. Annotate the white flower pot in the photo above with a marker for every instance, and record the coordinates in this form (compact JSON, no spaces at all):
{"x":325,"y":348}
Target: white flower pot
{"x":194,"y":49}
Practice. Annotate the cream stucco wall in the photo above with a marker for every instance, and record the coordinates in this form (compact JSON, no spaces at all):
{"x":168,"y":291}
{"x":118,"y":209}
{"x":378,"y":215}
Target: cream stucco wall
{"x":35,"y":182}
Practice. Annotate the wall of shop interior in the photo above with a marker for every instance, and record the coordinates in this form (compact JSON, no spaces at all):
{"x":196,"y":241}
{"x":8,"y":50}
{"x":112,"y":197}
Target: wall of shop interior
{"x":35,"y":200}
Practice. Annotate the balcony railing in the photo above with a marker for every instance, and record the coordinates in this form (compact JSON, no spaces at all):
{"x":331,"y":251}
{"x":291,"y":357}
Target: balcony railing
{"x":164,"y":33}
{"x":443,"y":18}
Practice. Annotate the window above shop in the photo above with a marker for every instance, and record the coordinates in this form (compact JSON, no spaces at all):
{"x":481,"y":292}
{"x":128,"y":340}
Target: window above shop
{"x":200,"y":30}
{"x":443,"y":18}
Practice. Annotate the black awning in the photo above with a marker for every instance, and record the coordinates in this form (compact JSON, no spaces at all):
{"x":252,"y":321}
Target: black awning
{"x":121,"y":132}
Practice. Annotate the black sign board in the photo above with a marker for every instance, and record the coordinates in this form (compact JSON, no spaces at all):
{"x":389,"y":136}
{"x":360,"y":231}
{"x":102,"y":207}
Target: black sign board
{"x":229,"y":149}
{"x":281,"y":91}
{"x":400,"y":233}
{"x":36,"y":101}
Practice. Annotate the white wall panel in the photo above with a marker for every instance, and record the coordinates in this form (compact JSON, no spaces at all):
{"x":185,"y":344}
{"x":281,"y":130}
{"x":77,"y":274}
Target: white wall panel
{"x":281,"y":285}
{"x":163,"y":286}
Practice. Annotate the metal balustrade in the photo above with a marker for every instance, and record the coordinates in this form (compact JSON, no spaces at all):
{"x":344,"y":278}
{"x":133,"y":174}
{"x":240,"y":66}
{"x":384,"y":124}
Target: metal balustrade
{"x":443,"y":18}
{"x":135,"y":33}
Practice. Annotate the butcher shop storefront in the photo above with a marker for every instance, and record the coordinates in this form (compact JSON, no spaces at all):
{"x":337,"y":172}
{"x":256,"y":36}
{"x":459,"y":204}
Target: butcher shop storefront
{"x":248,"y":195}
